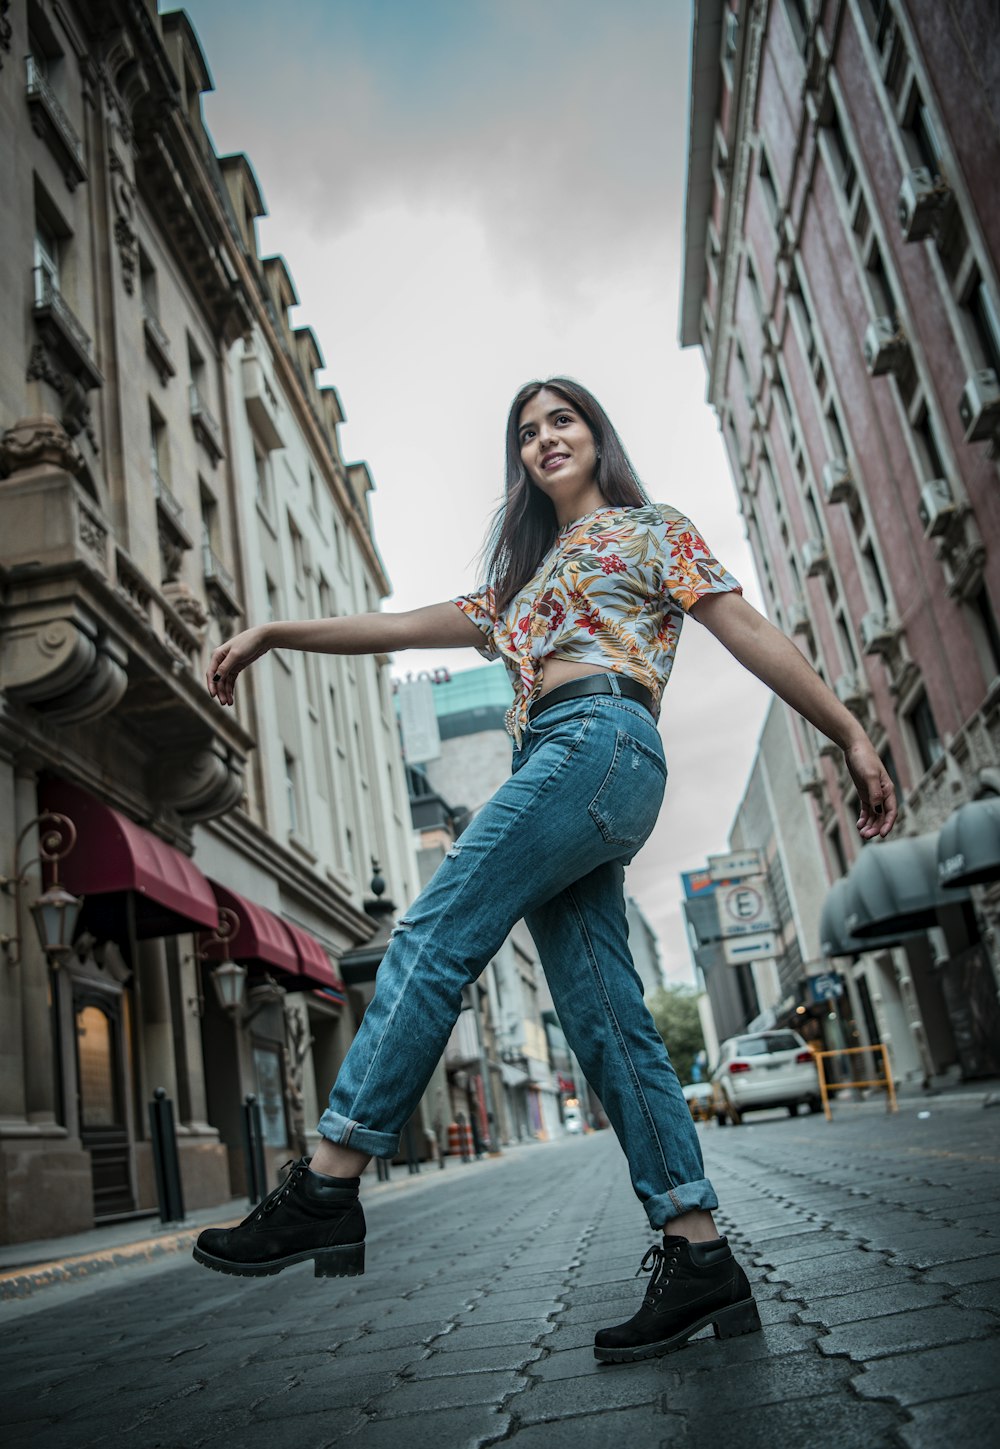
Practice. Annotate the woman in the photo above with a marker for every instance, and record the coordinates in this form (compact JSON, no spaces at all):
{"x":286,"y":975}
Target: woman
{"x":588,"y":586}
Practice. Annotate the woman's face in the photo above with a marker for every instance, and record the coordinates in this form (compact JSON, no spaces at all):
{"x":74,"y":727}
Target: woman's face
{"x":557,"y":446}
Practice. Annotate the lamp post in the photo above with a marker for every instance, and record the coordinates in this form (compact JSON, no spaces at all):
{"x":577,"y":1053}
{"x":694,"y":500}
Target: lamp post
{"x":56,"y":911}
{"x":228,"y":978}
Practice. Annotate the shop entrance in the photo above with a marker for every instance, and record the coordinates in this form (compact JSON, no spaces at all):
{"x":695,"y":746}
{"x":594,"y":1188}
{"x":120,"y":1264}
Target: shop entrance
{"x":102,"y":1095}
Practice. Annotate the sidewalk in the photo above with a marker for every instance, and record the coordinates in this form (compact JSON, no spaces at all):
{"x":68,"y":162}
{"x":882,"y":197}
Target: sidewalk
{"x":26,"y":1268}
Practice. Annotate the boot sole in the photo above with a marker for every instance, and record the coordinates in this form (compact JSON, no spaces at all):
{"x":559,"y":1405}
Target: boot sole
{"x":347,"y":1261}
{"x":729,"y":1322}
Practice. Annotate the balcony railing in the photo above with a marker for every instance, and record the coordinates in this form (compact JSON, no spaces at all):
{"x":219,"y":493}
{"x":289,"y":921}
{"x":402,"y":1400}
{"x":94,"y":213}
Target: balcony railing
{"x":62,"y":329}
{"x":41,"y":96}
{"x":157,"y":341}
{"x":166,"y":499}
{"x":49,"y":297}
{"x":205,"y":424}
{"x":216,"y":572}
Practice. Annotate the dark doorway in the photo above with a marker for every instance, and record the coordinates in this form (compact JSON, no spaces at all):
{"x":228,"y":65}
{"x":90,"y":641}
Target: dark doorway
{"x":101,"y":1096}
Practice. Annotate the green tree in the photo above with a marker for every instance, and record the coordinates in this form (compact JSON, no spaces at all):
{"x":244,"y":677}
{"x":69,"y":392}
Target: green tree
{"x":675,"y":1011}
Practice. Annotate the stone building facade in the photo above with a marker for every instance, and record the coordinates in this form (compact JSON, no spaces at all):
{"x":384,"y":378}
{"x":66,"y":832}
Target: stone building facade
{"x":169,"y":470}
{"x":842,"y":237}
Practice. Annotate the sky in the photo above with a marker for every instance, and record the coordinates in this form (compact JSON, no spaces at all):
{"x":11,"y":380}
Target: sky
{"x":469,"y":194}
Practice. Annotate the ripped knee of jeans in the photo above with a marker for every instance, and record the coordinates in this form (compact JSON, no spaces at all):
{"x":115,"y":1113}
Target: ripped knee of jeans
{"x":401,"y":926}
{"x":455,"y":851}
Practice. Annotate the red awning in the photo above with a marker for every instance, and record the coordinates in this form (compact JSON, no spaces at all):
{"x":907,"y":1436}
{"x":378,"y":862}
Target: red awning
{"x":313,"y":960}
{"x":260,"y":935}
{"x":113,"y":855}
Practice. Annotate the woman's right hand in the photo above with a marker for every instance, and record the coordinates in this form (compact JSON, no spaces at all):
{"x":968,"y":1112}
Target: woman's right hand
{"x":231,"y":658}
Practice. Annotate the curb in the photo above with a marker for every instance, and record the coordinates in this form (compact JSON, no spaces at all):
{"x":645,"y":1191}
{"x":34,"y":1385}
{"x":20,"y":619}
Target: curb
{"x":23,"y":1282}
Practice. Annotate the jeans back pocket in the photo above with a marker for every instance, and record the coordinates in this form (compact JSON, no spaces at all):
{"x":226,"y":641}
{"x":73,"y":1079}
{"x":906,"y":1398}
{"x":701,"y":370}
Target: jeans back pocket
{"x":627,"y":804}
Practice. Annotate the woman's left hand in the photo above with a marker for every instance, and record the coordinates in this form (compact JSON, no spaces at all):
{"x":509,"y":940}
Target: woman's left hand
{"x":875,"y":790}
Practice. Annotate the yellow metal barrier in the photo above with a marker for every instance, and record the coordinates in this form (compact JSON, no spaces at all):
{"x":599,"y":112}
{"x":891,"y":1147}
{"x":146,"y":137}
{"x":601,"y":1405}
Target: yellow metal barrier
{"x":884,"y":1081}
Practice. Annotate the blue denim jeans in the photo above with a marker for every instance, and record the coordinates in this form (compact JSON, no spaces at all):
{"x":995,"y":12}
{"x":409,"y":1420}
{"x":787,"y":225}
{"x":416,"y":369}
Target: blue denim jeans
{"x":551,"y":846}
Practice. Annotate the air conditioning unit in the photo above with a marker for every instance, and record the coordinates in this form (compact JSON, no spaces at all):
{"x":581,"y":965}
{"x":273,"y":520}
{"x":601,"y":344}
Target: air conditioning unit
{"x":815,"y":559}
{"x":878,"y":631}
{"x":838,"y":484}
{"x":850,"y":690}
{"x":937,"y":507}
{"x":884,"y":346}
{"x":798,"y":618}
{"x":979,"y":405}
{"x":809,"y":779}
{"x":919,"y":204}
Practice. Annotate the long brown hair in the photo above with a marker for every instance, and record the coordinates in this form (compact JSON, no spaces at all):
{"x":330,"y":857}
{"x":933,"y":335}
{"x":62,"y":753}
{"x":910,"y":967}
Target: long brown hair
{"x":525,"y":526}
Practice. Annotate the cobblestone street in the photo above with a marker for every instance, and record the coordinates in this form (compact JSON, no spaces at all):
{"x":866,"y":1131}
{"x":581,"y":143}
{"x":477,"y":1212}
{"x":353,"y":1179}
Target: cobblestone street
{"x":873,"y":1245}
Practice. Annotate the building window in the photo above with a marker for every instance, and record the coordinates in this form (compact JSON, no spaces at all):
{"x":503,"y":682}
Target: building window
{"x":847,"y":650}
{"x":209,"y":518}
{"x":313,"y":493}
{"x":298,"y":555}
{"x":263,"y":472}
{"x":835,"y":845}
{"x":798,"y":18}
{"x":273,"y":600}
{"x":875,"y":585}
{"x":925,"y":438}
{"x":985,"y":633}
{"x":292,"y":797}
{"x":925,"y":732}
{"x":326,"y":609}
{"x":981,"y":323}
{"x":159,"y":458}
{"x":767,"y":185}
{"x":47,"y":257}
{"x":920,"y":135}
{"x":839,"y":154}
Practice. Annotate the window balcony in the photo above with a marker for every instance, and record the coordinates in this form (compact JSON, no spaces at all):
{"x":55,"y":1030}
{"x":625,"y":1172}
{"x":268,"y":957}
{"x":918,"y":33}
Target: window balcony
{"x":167,"y":502}
{"x":219,"y":580}
{"x":206,"y":429}
{"x":815,"y":559}
{"x":50,"y":121}
{"x":59,"y":326}
{"x":262,"y":404}
{"x":157,"y":343}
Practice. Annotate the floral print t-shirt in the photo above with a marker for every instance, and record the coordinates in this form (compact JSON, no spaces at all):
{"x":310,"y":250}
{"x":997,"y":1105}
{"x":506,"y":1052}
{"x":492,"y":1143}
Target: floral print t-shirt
{"x":612,"y":591}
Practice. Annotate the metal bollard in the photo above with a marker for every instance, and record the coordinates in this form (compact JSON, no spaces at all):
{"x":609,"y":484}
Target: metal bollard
{"x":165,"y":1160}
{"x":253,"y":1150}
{"x":412,"y":1160}
{"x":382,"y":1169}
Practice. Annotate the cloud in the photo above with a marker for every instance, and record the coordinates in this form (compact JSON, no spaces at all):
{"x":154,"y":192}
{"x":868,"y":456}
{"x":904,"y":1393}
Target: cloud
{"x":554,"y":124}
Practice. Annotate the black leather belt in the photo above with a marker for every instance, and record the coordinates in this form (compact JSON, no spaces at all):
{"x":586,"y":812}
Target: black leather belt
{"x":594,"y":684}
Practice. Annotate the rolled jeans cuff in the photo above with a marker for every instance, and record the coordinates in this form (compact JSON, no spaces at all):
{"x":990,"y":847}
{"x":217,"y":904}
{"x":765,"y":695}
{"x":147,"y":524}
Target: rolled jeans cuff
{"x":346,"y":1133}
{"x":689,"y":1197}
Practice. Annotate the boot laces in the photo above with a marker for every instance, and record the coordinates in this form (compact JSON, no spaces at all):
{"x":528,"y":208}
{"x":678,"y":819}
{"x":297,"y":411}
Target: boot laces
{"x":660,"y":1262}
{"x":279,"y":1194}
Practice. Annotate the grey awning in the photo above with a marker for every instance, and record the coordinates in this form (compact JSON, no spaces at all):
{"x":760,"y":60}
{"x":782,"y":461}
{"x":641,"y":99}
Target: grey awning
{"x":894,"y":889}
{"x":968,"y":850}
{"x":834,"y":937}
{"x":513,"y":1076}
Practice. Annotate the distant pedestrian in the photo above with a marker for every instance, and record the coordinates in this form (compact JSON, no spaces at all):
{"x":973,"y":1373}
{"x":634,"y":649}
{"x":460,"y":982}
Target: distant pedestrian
{"x":587,"y":586}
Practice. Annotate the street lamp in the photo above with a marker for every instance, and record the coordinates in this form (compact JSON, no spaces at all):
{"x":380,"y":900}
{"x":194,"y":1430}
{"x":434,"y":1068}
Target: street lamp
{"x":55,"y":912}
{"x":228,"y":978}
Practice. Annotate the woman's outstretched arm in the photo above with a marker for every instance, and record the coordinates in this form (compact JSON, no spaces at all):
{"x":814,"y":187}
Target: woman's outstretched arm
{"x":438,"y":626}
{"x":775,"y":660}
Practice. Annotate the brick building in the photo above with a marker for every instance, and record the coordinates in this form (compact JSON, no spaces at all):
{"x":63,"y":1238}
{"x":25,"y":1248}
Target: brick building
{"x":842,"y":238}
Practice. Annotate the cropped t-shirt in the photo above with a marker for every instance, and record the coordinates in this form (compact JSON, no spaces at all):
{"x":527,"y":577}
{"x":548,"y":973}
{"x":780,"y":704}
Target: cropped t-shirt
{"x":612,"y":591}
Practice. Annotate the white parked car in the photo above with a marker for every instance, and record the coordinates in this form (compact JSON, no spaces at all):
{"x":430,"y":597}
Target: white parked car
{"x":573,"y":1119}
{"x":764,"y":1069}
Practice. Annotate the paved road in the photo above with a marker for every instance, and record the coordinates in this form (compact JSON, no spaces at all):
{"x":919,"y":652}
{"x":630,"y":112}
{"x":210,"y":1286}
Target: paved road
{"x":873,"y":1244}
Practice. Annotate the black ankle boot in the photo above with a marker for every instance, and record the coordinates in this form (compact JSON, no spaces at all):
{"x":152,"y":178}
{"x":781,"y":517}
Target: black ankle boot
{"x":693,"y":1284}
{"x":306,"y":1216}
